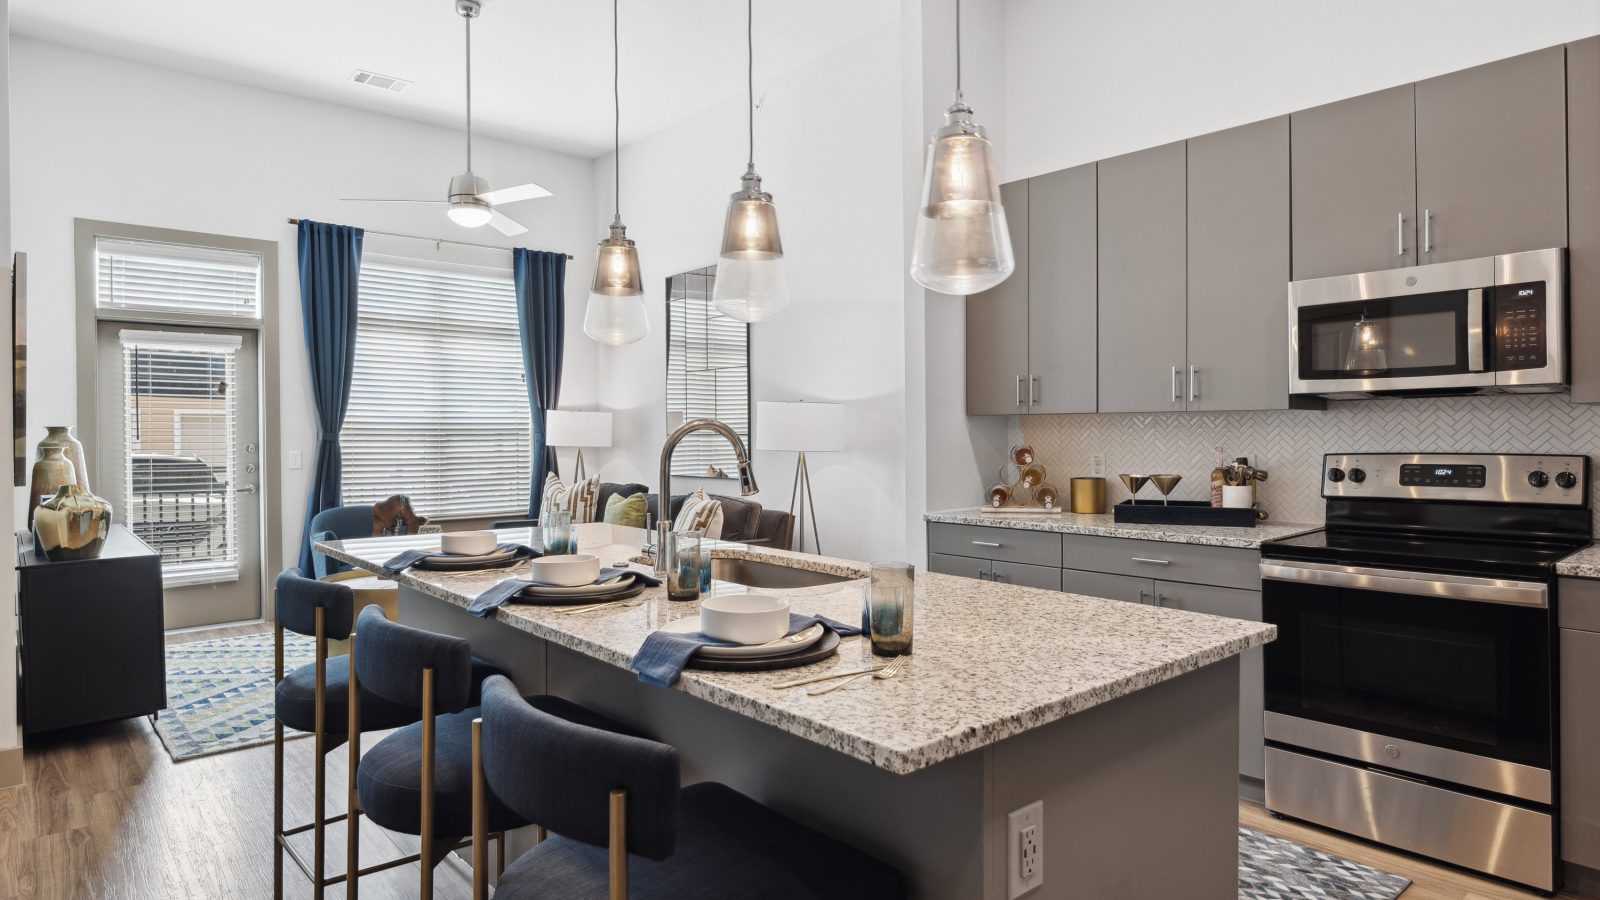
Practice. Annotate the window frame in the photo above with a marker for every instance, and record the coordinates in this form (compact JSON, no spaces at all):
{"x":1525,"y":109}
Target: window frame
{"x":749,"y":368}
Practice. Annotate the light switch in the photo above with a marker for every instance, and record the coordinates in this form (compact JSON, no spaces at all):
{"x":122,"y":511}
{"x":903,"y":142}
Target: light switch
{"x":296,"y":460}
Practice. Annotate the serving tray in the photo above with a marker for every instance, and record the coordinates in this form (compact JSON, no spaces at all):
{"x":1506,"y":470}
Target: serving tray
{"x":1184,"y":512}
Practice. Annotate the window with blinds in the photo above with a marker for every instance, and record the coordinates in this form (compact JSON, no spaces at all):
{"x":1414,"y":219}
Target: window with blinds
{"x":153,"y":276}
{"x":180,"y":431}
{"x":708,"y":374}
{"x":438,"y":407}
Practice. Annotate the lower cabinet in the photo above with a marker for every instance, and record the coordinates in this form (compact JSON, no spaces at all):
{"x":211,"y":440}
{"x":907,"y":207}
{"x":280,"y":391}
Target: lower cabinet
{"x":1112,"y":587}
{"x":1580,"y":734}
{"x":1024,"y":575}
{"x":1235,"y":604}
{"x":964,"y":566}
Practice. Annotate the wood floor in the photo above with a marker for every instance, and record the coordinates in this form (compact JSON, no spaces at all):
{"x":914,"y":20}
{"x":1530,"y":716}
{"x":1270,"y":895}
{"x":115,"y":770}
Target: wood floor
{"x":105,"y":814}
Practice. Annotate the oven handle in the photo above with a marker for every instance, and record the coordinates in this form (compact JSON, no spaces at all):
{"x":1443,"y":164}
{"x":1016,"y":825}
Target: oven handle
{"x":1421,"y":584}
{"x":1475,"y":335}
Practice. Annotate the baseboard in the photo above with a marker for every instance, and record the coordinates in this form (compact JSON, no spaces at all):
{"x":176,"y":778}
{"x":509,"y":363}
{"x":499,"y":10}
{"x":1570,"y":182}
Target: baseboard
{"x":1581,"y":880}
{"x":1253,"y":790}
{"x":11,"y":772}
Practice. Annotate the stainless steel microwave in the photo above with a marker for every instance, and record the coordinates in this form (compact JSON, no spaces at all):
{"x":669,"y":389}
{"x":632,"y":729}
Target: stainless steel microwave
{"x":1495,"y":324}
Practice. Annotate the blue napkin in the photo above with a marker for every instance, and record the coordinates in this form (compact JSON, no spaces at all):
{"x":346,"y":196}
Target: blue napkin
{"x":409,"y":558}
{"x":505,"y":591}
{"x":664,"y":655}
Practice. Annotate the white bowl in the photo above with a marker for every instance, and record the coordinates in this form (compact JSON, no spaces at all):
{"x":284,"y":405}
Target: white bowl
{"x":744,"y":618}
{"x":468,"y":543}
{"x":567,"y":569}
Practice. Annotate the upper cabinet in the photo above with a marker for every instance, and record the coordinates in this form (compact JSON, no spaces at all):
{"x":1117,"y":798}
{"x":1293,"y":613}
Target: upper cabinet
{"x":1492,"y":158}
{"x":1238,"y":266}
{"x":1354,"y":185}
{"x":1143,"y":366}
{"x":1583,"y":197}
{"x":1062,"y":291}
{"x":997,"y":324}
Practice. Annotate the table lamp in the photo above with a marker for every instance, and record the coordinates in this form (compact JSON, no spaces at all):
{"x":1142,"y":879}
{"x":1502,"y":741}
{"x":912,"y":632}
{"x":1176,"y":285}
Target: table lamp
{"x":575,"y":428}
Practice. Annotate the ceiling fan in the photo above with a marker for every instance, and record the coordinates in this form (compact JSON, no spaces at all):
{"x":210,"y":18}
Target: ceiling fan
{"x":470,"y":201}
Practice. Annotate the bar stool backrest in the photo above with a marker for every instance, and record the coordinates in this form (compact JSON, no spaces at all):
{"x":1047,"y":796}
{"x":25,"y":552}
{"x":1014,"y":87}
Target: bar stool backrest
{"x":561,"y":774}
{"x":298,"y":598}
{"x":390,"y":658}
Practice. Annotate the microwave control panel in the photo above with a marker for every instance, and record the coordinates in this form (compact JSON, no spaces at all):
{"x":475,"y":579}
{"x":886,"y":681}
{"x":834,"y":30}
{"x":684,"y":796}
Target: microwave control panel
{"x":1519,"y":326}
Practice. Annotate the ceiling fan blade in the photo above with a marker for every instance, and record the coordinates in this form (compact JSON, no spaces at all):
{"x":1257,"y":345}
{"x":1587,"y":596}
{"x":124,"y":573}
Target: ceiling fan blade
{"x":529,"y":191}
{"x":386,"y":200}
{"x":505,"y":224}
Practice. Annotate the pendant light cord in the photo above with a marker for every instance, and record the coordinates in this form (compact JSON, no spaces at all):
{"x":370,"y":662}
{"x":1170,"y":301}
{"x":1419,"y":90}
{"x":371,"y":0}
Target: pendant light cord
{"x":469,"y":92}
{"x":616,"y":112}
{"x":958,"y":48}
{"x":750,"y":72}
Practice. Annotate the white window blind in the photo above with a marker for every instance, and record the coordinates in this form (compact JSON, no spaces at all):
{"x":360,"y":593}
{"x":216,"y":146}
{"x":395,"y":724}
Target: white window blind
{"x":150,"y":275}
{"x":438,"y":408}
{"x":180,"y":433}
{"x":708,"y":373}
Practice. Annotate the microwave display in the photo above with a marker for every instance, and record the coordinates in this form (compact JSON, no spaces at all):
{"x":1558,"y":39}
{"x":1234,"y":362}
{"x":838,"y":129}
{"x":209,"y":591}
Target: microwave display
{"x":1519,"y":326}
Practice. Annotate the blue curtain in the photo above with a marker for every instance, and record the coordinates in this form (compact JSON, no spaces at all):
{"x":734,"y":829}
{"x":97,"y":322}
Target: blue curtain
{"x":330,"y":268}
{"x":541,"y":320}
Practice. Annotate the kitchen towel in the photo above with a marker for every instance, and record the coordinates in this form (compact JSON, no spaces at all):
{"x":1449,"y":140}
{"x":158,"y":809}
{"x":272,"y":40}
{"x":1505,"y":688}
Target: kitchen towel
{"x":409,"y":558}
{"x":664,"y":655}
{"x":505,"y":591}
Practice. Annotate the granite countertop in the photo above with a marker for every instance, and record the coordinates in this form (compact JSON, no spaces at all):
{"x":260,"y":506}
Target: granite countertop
{"x":1104,"y":525}
{"x":991,"y":660}
{"x":1583,"y":564}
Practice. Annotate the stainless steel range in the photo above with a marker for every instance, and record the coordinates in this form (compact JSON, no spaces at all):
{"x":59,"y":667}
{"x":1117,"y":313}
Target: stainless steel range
{"x":1411,"y":694}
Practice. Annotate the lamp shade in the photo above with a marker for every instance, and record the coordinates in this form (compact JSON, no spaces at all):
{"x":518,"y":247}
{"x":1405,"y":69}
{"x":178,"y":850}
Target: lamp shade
{"x":800,"y":426}
{"x":573,"y":428}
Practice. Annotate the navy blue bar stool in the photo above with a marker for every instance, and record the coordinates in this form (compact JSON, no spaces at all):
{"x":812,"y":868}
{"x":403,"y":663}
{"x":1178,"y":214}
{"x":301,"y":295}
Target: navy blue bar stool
{"x":621,"y":826}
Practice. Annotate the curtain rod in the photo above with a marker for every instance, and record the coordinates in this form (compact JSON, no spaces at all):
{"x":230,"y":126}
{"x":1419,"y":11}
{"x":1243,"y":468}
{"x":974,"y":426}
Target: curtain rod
{"x":418,"y":237}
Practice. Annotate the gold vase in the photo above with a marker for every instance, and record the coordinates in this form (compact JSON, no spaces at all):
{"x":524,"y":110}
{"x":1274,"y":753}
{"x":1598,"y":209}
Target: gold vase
{"x":51,"y":472}
{"x":62,"y":436}
{"x":72,"y":525}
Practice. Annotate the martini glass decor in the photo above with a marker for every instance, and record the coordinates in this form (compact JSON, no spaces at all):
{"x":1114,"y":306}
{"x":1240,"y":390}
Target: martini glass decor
{"x":1134,"y":484}
{"x":1165,"y":484}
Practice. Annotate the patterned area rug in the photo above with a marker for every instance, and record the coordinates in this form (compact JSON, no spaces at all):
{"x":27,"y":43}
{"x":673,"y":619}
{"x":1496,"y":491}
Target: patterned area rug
{"x":219,"y":693}
{"x":1272,"y":868}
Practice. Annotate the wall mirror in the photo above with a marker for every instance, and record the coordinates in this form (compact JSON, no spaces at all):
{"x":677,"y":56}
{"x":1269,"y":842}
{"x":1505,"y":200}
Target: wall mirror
{"x":708,"y":374}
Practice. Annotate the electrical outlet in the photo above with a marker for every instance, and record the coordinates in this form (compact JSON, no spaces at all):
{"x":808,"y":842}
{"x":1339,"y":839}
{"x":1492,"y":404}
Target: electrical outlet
{"x":296,"y":461}
{"x":1097,"y":465}
{"x":1025,"y":847}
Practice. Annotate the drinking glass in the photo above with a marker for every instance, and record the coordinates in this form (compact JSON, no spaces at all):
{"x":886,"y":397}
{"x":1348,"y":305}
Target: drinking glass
{"x":891,"y":607}
{"x":683,"y":566}
{"x":557,"y":532}
{"x":705,"y":565}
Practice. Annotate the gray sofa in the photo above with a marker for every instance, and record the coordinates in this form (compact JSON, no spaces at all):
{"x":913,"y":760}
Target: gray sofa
{"x":743,"y":521}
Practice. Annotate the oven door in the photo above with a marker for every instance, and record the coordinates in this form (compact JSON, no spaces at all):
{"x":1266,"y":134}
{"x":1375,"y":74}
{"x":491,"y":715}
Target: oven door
{"x":1438,"y":661}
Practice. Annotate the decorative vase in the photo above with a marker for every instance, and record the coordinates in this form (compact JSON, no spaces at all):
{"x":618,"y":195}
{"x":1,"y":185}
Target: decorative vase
{"x":72,"y":525}
{"x":52,"y":472}
{"x":62,"y":436}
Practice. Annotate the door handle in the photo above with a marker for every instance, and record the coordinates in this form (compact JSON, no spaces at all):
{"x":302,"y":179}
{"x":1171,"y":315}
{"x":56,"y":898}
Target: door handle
{"x":1019,"y":390}
{"x":1153,"y":562}
{"x":1400,"y":234}
{"x":245,"y":489}
{"x":1427,"y":231}
{"x":1174,"y":384}
{"x":1194,"y":383}
{"x":1161,"y":599}
{"x":983,"y":574}
{"x":1033,"y":389}
{"x":985,"y":543}
{"x":1144,"y":596}
{"x":1475,"y":336}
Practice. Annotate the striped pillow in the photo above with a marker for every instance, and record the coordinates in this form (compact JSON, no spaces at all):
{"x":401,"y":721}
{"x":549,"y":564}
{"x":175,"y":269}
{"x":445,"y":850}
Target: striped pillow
{"x":556,"y":495}
{"x":700,"y":513}
{"x":583,"y":498}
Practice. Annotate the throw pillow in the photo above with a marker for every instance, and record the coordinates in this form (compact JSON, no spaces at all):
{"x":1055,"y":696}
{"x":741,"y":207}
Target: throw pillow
{"x":581,"y":497}
{"x":700,"y":513}
{"x":556,"y":495}
{"x":629,"y":511}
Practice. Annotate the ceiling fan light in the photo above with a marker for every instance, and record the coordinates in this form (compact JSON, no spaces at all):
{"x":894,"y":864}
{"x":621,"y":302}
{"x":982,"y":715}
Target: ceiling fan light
{"x":469,"y":213}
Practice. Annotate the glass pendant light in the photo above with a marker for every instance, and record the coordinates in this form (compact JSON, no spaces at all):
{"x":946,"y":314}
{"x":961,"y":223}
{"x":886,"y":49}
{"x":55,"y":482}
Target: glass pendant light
{"x":751,"y":284}
{"x":616,"y":314}
{"x":963,"y":245}
{"x":1366,"y":353}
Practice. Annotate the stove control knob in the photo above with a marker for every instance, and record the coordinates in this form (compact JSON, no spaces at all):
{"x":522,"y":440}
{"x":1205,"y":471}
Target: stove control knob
{"x":1538,"y":479}
{"x":1357,"y":475}
{"x":1566,"y":481}
{"x":1336,"y":475}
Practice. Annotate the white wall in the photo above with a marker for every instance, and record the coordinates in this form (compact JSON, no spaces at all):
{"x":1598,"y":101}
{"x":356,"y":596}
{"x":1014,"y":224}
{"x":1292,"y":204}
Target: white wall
{"x":9,"y":736}
{"x":1085,"y":81}
{"x":828,"y":147}
{"x":102,"y":138}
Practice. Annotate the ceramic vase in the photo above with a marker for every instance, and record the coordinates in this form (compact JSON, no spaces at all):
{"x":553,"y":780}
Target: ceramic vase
{"x":62,"y":436}
{"x":72,"y":525}
{"x":52,"y":472}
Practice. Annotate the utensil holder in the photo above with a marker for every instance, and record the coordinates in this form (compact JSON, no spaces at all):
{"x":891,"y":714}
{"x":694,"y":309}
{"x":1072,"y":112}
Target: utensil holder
{"x":1088,"y":496}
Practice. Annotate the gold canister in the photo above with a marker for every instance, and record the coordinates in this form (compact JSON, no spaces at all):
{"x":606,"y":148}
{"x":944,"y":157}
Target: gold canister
{"x":1089,"y":495}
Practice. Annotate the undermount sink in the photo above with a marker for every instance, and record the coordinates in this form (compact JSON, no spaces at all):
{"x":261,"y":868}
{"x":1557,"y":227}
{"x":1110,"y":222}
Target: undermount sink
{"x":767,"y":575}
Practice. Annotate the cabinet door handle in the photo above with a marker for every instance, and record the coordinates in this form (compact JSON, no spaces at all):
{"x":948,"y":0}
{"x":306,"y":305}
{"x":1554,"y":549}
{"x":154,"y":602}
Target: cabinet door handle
{"x":985,"y":543}
{"x":1153,"y":562}
{"x":1161,"y":599}
{"x":1174,"y":384}
{"x":1400,"y":234}
{"x":1019,"y":390}
{"x":983,"y":574}
{"x":1427,"y":231}
{"x":1194,"y":383}
{"x":1144,"y":596}
{"x":996,"y":576}
{"x":1033,"y":389}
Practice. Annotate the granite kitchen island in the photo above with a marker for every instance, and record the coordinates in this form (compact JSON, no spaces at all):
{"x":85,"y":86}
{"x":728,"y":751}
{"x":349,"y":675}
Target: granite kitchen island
{"x":1121,"y":718}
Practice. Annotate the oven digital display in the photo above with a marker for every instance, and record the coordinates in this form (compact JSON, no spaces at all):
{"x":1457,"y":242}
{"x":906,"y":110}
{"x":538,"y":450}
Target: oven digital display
{"x":1412,"y":475}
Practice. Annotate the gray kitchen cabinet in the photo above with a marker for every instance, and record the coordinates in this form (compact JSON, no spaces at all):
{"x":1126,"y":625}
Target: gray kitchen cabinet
{"x":1112,"y":587}
{"x":1492,"y":158}
{"x":1142,"y":333}
{"x":1238,"y":265}
{"x":1024,"y":575}
{"x":1353,"y":185}
{"x":1583,"y":213}
{"x":997,"y":325}
{"x":1234,"y":604}
{"x":1062,"y":291}
{"x":1580,"y":734}
{"x":962,"y":566}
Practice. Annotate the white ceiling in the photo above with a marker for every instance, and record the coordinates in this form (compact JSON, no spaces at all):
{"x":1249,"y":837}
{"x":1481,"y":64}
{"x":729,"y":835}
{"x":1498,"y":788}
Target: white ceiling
{"x":541,"y":68}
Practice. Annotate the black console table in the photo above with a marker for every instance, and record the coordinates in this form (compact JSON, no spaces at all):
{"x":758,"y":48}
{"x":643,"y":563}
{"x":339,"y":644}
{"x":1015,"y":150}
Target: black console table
{"x":91,"y":639}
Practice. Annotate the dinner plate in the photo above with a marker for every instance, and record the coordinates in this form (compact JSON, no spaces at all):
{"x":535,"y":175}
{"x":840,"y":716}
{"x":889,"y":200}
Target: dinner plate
{"x":581,"y":590}
{"x":691,"y":625}
{"x":491,"y":556}
{"x":622,"y":591}
{"x":465,"y":563}
{"x":821,"y":650}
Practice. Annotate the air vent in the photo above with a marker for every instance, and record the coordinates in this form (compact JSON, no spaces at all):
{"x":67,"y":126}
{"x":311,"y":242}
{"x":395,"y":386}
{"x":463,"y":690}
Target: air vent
{"x":384,"y":82}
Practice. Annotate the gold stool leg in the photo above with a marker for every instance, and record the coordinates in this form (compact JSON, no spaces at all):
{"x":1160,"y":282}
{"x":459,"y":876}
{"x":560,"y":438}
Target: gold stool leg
{"x":319,"y":794}
{"x":480,"y":817}
{"x":426,"y":892}
{"x":277,"y":771}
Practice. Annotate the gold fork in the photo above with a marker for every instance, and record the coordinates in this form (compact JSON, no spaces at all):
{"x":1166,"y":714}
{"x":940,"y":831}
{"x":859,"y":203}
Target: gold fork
{"x":889,"y":671}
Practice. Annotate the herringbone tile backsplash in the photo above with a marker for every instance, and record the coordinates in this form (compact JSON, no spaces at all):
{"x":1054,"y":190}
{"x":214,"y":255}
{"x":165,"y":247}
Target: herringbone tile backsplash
{"x":1289,"y":444}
